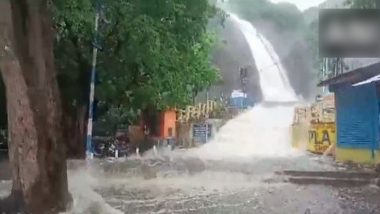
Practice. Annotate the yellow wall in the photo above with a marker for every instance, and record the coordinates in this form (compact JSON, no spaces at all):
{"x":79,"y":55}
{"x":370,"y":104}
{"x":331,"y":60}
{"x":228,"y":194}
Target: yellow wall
{"x":300,"y":136}
{"x":357,"y":156}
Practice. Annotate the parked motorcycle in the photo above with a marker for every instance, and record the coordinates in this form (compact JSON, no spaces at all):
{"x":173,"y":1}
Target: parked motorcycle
{"x":112,"y":148}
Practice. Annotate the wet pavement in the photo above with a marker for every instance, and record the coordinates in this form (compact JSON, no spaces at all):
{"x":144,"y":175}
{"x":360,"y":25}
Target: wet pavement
{"x":261,"y":199}
{"x":249,"y":167}
{"x":190,"y":185}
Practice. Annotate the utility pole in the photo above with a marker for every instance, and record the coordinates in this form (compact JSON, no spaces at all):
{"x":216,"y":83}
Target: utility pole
{"x":324,"y":73}
{"x":207,"y":97}
{"x":89,"y":149}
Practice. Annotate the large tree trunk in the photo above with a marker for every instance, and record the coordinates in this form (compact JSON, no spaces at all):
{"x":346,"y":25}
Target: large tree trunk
{"x":37,"y":149}
{"x":75,"y":133}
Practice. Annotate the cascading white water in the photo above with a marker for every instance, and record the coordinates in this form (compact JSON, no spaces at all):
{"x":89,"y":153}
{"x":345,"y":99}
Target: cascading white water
{"x":274,"y":82}
{"x":263,"y":131}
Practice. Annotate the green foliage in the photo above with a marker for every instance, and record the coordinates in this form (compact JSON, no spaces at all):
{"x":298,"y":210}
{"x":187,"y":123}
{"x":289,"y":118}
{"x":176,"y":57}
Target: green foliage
{"x":74,"y":20}
{"x":363,"y":4}
{"x":286,"y":17}
{"x":160,"y":51}
{"x":155,"y":53}
{"x":116,"y":118}
{"x":311,"y":36}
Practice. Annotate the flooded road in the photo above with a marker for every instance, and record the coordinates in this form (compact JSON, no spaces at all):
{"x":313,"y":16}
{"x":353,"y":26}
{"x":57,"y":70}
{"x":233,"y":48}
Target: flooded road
{"x":249,"y":167}
{"x":186,"y":186}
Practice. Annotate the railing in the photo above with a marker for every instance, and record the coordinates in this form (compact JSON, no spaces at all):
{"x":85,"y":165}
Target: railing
{"x":323,"y":111}
{"x":319,"y":112}
{"x":202,"y":110}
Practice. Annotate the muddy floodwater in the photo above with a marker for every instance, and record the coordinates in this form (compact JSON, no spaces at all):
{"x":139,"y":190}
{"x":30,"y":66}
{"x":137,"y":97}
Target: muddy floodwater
{"x":249,"y":167}
{"x":187,"y":185}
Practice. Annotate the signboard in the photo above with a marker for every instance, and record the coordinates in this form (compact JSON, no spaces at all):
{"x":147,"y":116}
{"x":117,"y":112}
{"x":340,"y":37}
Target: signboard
{"x":201,"y":132}
{"x":321,"y":137}
{"x":238,"y":93}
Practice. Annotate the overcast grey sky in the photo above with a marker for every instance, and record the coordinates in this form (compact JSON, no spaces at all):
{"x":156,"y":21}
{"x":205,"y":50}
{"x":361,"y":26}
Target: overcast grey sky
{"x":301,"y":4}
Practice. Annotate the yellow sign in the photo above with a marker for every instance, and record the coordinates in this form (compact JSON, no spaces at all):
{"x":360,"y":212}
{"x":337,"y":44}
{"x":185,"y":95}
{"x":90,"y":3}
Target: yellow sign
{"x":321,"y":137}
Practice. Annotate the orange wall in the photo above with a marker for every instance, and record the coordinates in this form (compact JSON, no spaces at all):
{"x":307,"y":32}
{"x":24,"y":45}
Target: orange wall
{"x":168,"y":120}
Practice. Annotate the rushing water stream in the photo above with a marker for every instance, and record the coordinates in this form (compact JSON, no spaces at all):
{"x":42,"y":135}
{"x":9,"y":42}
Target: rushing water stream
{"x":233,"y":173}
{"x":274,"y":81}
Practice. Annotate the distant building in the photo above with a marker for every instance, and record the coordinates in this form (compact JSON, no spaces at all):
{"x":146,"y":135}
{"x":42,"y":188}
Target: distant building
{"x":357,"y":99}
{"x":240,"y":100}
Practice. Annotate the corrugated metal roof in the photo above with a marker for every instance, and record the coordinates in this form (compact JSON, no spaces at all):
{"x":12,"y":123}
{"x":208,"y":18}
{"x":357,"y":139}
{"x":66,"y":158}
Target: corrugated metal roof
{"x":372,"y":79}
{"x":355,"y":76}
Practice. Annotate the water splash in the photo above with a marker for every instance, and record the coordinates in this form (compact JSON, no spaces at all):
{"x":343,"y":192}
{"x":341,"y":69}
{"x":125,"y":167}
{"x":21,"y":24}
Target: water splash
{"x":264,"y":131}
{"x":261,"y":132}
{"x":82,"y":184}
{"x":246,"y":150}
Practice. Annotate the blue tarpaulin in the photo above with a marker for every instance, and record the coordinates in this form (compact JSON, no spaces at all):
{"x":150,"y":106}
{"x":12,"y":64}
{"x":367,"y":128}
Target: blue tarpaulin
{"x":240,"y":102}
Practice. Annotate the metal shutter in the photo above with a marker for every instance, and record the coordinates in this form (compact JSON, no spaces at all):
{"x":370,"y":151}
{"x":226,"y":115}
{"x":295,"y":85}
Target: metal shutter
{"x":357,"y":117}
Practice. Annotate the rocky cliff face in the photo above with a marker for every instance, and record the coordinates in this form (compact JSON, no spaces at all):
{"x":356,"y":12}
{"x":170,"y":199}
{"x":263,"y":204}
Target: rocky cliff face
{"x":284,"y":26}
{"x":232,"y":54}
{"x":295,"y":53}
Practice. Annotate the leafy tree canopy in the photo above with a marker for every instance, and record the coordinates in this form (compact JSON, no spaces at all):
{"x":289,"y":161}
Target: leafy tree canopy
{"x":364,"y":4}
{"x":286,"y":17}
{"x":154,"y":53}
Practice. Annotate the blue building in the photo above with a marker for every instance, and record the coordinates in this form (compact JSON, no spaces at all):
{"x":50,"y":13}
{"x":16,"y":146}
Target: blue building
{"x":357,"y":98}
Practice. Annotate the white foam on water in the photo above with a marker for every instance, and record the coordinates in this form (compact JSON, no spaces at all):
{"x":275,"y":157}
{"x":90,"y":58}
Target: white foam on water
{"x":260,"y":136}
{"x":82,"y":184}
{"x":261,"y":132}
{"x":5,"y":188}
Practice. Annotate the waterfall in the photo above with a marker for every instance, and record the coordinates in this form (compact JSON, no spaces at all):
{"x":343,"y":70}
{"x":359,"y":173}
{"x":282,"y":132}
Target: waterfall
{"x":274,"y":82}
{"x":262,"y":131}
